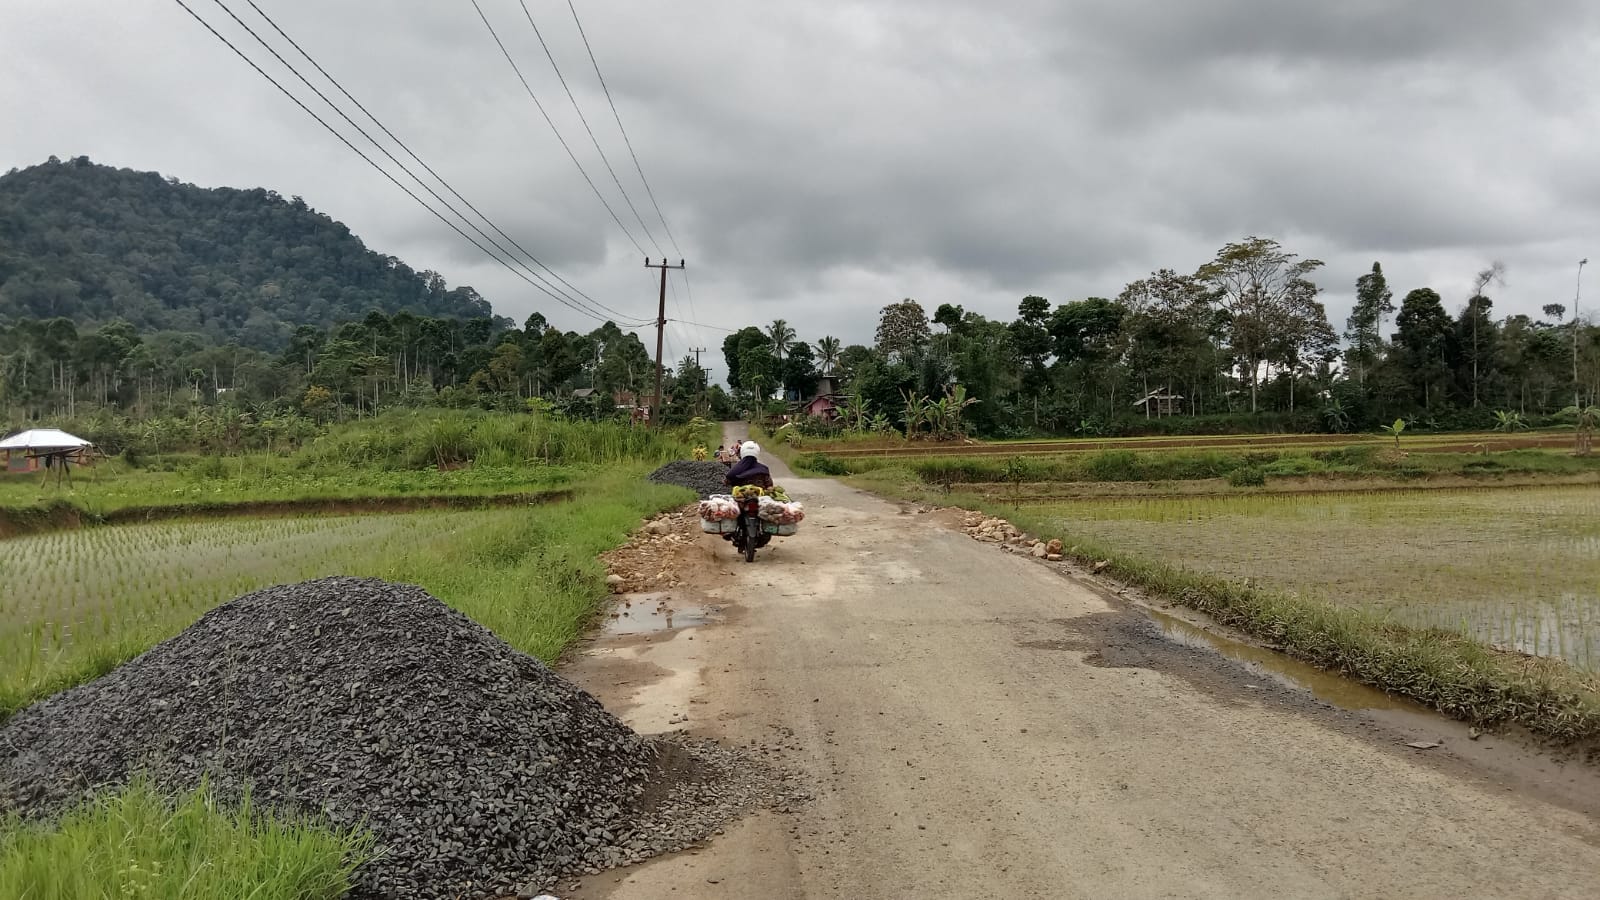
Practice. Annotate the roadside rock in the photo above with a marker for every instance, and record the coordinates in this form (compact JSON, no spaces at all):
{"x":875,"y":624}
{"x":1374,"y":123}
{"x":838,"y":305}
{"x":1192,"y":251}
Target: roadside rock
{"x":702,"y":477}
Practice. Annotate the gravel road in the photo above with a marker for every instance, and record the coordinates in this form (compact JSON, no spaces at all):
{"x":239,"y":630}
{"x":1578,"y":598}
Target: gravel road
{"x":975,"y":724}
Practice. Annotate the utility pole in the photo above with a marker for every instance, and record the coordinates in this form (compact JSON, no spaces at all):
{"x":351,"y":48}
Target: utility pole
{"x":1576,"y":390}
{"x":707,"y":375}
{"x":661,"y":328}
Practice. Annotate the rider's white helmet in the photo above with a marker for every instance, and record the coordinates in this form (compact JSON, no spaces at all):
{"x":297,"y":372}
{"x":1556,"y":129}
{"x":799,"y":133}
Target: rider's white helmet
{"x":749,"y":448}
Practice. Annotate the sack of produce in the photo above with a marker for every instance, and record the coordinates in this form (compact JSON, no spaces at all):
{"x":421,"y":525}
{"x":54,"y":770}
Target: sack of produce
{"x":719,"y":508}
{"x":780,"y":513}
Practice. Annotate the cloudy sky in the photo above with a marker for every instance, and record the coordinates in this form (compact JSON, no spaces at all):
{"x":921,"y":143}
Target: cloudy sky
{"x":816,"y":161}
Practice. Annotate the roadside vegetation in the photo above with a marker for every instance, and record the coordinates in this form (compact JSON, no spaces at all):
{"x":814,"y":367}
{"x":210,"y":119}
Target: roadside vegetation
{"x":1241,"y":466}
{"x":99,"y":596}
{"x":138,"y":843}
{"x":404,"y":453}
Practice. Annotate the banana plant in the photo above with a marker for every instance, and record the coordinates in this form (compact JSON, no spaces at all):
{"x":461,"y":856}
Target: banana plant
{"x":1396,"y":429}
{"x":1507,"y":421}
{"x":915,"y":414}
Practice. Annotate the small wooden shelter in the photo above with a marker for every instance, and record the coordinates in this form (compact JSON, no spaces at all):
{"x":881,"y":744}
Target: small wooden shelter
{"x":44,"y":448}
{"x":1159,"y":402}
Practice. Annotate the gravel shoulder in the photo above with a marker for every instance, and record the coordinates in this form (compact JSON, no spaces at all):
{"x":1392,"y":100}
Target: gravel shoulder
{"x":972,"y":723}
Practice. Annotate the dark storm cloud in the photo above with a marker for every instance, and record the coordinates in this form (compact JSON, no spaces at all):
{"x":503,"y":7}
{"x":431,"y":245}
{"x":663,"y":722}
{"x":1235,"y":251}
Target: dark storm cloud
{"x":817,"y":161}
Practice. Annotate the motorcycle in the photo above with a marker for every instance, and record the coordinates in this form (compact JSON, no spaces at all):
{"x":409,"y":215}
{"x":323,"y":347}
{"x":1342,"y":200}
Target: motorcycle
{"x":751,"y":533}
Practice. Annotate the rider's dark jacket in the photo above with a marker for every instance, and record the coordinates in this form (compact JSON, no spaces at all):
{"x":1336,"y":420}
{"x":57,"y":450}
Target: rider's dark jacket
{"x":749,"y":471}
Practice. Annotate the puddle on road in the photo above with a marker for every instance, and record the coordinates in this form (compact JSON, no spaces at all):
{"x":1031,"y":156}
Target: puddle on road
{"x":654,"y":612}
{"x":1327,"y":687}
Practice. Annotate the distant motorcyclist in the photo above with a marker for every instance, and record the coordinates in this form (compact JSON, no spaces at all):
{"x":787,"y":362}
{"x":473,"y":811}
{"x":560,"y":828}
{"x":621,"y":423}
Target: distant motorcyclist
{"x":749,"y":470}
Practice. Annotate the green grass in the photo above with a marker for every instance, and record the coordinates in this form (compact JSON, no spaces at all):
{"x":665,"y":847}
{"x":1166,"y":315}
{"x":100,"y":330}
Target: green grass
{"x":1124,"y":465}
{"x":436,"y":453}
{"x":139,"y":844}
{"x":98,"y":596}
{"x":1516,"y":567}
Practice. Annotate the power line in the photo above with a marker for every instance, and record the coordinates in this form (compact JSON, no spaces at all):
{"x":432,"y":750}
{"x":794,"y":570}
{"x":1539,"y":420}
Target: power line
{"x":592,"y":139}
{"x":556,"y":293}
{"x":441,"y":179}
{"x":369,"y":160}
{"x":640,"y":169}
{"x":535,"y":98}
{"x":617,"y":116}
{"x":703,"y":325}
{"x":689,"y":290}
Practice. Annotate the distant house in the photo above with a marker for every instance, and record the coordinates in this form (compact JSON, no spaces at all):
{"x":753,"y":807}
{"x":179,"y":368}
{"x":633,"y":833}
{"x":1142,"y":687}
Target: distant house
{"x":825,"y":404}
{"x":822,"y":406}
{"x":32,"y":450}
{"x":583,"y":393}
{"x":1159,"y":402}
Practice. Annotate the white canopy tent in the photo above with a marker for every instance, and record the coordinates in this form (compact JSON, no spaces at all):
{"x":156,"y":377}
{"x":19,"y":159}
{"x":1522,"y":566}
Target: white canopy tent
{"x":44,"y":439}
{"x":25,"y":450}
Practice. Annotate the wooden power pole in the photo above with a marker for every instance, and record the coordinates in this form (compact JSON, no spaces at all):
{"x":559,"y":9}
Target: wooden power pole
{"x":661,"y":327}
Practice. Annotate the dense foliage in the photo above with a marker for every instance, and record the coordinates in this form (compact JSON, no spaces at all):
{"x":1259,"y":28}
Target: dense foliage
{"x":94,"y":244}
{"x":1241,"y":344}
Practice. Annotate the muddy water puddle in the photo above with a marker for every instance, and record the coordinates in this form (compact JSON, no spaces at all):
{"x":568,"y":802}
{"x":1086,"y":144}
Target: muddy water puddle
{"x":655,"y":612}
{"x":1329,"y":688}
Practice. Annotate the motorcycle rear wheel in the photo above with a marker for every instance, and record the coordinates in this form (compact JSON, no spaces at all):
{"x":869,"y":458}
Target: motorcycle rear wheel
{"x":752,"y":537}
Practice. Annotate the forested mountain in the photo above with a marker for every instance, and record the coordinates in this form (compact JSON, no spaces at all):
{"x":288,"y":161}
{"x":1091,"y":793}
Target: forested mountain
{"x":94,"y":244}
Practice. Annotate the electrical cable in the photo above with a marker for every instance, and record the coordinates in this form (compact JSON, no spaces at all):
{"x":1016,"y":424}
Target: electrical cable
{"x":571,"y":302}
{"x":373,"y":163}
{"x":618,"y":116}
{"x":430,"y":170}
{"x":592,"y":139}
{"x":535,"y":98}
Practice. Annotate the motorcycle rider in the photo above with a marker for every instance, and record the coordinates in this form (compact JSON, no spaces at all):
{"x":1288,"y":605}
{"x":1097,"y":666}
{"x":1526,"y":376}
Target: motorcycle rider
{"x":749,"y":470}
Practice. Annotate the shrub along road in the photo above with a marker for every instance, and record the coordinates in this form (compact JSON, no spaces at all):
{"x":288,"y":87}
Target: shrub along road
{"x":975,"y":724}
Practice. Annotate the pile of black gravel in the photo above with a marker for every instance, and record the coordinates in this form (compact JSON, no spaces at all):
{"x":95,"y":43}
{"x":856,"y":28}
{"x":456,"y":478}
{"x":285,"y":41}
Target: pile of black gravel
{"x":478,"y":770}
{"x":704,"y":478}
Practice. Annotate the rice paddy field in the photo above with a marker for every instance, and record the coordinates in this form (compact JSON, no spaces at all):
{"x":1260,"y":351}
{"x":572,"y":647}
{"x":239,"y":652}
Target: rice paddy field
{"x":1516,"y":567}
{"x":78,"y":602}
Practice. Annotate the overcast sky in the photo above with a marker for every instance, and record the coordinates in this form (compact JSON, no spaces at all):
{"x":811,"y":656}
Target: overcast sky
{"x":819,"y":160}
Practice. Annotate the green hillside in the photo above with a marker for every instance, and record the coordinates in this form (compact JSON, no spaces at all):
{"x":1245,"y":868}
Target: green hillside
{"x":94,"y":243}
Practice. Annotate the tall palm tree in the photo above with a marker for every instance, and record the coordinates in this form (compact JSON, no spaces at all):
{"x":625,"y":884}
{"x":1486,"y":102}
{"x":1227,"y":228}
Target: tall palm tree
{"x":781,"y":336}
{"x":828,"y":351}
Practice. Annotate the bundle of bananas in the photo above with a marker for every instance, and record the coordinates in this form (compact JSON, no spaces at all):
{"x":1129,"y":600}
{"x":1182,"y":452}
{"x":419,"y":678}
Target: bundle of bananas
{"x":699,"y":454}
{"x":744,"y":491}
{"x":778,"y":493}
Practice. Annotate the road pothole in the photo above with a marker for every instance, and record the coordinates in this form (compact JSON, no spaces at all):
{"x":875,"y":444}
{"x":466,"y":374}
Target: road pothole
{"x":649,"y":613}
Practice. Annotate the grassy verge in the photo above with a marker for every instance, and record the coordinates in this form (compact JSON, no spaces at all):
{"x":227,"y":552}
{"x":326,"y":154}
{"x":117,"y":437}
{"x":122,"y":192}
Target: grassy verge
{"x":1242,"y":468}
{"x":1459,"y":677}
{"x":101,"y":596}
{"x":433,"y":453}
{"x":139,"y":844}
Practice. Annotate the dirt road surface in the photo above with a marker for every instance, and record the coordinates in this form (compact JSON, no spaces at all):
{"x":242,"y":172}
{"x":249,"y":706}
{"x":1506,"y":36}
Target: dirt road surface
{"x":975,"y":724}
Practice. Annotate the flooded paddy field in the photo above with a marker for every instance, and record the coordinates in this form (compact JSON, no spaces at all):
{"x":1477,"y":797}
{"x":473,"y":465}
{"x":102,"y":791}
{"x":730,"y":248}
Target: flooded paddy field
{"x":1516,"y":567}
{"x":90,"y":597}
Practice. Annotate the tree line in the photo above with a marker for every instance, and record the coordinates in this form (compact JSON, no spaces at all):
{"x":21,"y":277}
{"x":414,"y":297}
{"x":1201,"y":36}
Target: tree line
{"x":52,"y":370}
{"x":1241,"y":343}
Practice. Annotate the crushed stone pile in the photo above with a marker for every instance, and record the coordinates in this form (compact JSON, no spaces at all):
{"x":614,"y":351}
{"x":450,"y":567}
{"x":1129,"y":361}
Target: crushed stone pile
{"x":704,"y":478}
{"x":479,"y":771}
